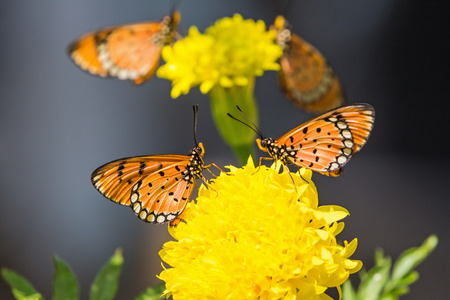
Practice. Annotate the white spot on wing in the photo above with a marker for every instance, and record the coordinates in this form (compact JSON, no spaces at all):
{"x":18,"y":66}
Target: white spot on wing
{"x":134,"y":197}
{"x":334,"y":166}
{"x":161,"y":219}
{"x":341,"y":125}
{"x":348,"y":143}
{"x":151,"y":218}
{"x":143,"y":215}
{"x":346,"y":133}
{"x":123,"y":74}
{"x":342,"y":159}
{"x":347,"y":151}
{"x":136,"y":207}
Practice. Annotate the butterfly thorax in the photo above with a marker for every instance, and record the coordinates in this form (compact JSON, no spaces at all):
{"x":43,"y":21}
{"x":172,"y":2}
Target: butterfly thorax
{"x":276,"y":151}
{"x":195,"y":166}
{"x":168,"y":29}
{"x":283,"y":33}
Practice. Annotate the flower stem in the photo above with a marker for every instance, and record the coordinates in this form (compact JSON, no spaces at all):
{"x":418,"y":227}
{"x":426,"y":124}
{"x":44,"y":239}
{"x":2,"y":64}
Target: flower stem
{"x":223,"y":101}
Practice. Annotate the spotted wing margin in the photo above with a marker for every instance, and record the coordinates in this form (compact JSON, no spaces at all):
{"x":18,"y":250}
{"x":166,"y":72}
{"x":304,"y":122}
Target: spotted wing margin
{"x":326,"y":143}
{"x":157,"y":180}
{"x":130,"y":51}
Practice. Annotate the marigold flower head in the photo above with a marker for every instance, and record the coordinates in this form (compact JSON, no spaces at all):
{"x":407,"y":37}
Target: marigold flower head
{"x":254,"y":235}
{"x":230,"y":51}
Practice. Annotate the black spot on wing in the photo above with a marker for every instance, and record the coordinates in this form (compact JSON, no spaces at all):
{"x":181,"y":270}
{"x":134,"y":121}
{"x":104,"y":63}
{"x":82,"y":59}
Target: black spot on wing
{"x":142,"y":167}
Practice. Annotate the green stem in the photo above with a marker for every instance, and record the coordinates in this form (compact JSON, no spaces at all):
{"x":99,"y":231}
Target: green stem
{"x":243,"y":151}
{"x":237,"y":136}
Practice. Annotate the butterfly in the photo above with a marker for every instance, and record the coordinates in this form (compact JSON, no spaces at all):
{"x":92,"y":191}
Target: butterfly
{"x":127,"y":52}
{"x":156,"y":187}
{"x":305,"y":75}
{"x":324,"y":144}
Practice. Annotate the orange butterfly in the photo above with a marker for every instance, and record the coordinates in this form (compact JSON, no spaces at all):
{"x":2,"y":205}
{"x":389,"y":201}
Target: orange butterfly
{"x":156,"y":187}
{"x":324,"y":144}
{"x":305,"y":75}
{"x":128,"y":51}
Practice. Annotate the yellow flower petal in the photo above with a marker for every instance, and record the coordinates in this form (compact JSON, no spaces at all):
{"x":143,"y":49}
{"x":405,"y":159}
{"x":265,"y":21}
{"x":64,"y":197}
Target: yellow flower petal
{"x":255,"y":233}
{"x":229,"y":53}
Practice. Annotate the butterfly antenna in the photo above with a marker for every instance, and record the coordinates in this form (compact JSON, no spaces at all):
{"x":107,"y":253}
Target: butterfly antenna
{"x":254,"y":128}
{"x":173,"y":5}
{"x":286,"y":6}
{"x":195,"y":108}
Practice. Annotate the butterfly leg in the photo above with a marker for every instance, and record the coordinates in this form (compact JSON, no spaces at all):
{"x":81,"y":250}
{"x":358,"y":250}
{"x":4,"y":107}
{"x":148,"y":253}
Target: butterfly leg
{"x":177,"y":220}
{"x":208,"y":185}
{"x":260,"y":161}
{"x":213,"y":165}
{"x":286,"y":169}
{"x":298,"y":169}
{"x":293,"y":182}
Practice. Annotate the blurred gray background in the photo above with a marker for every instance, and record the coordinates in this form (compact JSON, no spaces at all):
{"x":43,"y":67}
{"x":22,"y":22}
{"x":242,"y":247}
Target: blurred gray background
{"x":57,"y":124}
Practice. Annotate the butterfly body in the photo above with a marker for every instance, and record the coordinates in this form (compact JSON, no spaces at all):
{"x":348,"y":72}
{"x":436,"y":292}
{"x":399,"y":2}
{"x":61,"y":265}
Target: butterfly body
{"x":326,"y":143}
{"x":306,"y":77}
{"x":127,"y":52}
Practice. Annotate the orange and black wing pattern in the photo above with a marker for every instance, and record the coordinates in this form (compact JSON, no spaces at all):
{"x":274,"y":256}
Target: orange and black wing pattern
{"x":156,"y":187}
{"x":305,"y":75}
{"x":127,"y":52}
{"x":326,"y":143}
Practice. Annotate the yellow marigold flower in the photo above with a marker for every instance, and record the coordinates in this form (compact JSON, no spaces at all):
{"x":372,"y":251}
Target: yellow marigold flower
{"x":231,"y":52}
{"x":254,"y":235}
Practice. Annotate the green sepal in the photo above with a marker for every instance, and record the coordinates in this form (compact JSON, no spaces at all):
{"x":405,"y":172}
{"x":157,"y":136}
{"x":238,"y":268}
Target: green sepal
{"x":20,"y":287}
{"x":106,"y":283}
{"x":65,"y":285}
{"x":153,"y":293}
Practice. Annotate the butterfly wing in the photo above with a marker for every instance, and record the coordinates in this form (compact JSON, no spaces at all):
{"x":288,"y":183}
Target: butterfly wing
{"x":305,"y":75}
{"x":153,"y":186}
{"x":128,"y":52}
{"x":326,"y":143}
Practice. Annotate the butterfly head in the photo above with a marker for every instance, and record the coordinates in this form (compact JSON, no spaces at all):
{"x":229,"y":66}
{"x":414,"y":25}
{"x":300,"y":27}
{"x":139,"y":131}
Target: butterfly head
{"x":176,"y":19}
{"x":280,"y":23}
{"x":198,"y":150}
{"x":283,"y":30}
{"x":264,"y":143}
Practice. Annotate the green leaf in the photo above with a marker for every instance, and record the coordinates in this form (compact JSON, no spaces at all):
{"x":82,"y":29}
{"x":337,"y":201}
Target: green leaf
{"x":372,"y":283}
{"x":412,"y":257}
{"x":106,"y":282}
{"x":348,"y":293}
{"x":408,"y":279}
{"x":20,"y":287}
{"x":395,"y":294}
{"x":153,"y":293}
{"x":65,"y":285}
